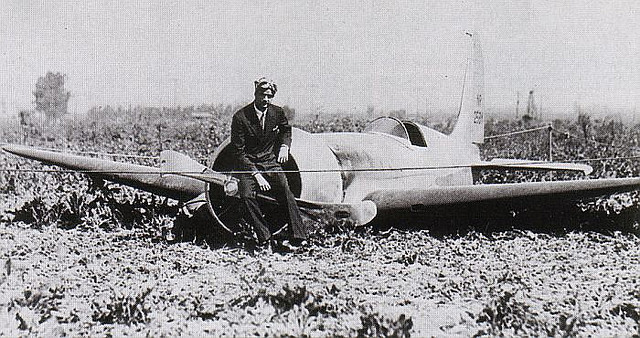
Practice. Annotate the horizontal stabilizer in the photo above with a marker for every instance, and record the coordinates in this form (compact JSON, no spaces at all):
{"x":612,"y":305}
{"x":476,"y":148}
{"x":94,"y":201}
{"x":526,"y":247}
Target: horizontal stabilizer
{"x":504,"y":163}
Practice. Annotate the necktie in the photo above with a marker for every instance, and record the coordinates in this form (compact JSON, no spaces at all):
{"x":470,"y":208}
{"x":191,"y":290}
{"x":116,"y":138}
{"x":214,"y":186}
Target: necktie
{"x":262,"y":120}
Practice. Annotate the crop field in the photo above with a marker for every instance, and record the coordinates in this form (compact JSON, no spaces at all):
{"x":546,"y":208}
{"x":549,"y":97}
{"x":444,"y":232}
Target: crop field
{"x":86,"y":257}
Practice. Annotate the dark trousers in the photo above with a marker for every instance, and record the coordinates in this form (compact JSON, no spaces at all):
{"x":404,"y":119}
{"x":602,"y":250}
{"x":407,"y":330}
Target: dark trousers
{"x":248,"y":188}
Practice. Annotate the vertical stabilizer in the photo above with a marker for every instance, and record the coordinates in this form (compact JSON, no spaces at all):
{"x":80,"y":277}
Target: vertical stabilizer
{"x":470,"y":125}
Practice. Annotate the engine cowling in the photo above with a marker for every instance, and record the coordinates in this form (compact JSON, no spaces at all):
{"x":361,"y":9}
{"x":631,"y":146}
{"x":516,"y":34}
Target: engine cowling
{"x":313,"y":175}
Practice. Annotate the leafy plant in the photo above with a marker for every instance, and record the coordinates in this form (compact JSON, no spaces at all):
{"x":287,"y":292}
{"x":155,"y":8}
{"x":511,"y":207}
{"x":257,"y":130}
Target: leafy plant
{"x":41,"y":304}
{"x":123,"y":309}
{"x":375,"y":325}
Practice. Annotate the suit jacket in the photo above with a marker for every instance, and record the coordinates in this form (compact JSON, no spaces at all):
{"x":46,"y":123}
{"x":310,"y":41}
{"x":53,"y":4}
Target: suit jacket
{"x":254,"y":146}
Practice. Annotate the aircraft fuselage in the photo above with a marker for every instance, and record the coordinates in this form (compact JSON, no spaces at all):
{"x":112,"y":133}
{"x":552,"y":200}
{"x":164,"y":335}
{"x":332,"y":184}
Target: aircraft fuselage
{"x":373,"y":161}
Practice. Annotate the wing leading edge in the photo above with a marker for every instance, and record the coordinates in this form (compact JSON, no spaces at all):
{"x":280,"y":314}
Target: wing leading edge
{"x":504,"y":163}
{"x":395,"y":199}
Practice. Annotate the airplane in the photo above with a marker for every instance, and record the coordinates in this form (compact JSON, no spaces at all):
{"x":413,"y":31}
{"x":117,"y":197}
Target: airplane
{"x":392,"y":169}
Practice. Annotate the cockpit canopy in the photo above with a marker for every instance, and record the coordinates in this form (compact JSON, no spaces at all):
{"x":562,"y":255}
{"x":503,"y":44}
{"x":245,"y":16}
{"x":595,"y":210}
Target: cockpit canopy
{"x":403,"y":129}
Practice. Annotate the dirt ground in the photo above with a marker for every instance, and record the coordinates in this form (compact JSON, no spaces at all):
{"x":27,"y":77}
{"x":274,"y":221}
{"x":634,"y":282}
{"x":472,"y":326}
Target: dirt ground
{"x":86,"y":281}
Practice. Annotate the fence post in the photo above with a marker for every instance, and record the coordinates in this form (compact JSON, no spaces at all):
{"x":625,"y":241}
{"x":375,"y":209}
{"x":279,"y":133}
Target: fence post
{"x":550,"y":143}
{"x":160,"y":136}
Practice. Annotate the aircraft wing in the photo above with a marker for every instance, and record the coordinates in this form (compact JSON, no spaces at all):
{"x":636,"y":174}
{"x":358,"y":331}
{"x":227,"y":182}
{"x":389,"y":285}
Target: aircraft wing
{"x":505,"y":163}
{"x":416,"y":198}
{"x":178,"y":177}
{"x":151,"y":179}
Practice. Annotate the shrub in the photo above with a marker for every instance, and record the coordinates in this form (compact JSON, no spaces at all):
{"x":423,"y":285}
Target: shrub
{"x":123,"y":309}
{"x":375,"y":325}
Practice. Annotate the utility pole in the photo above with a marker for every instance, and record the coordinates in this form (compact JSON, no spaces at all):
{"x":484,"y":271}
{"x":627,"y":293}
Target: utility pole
{"x":531,"y":106}
{"x":415,"y":81}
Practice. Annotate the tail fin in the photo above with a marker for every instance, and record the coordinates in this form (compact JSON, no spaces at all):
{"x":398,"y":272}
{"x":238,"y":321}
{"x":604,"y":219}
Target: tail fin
{"x":470,"y":125}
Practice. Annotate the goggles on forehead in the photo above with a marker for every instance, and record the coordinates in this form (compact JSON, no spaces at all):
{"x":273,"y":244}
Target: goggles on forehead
{"x":266,"y":86}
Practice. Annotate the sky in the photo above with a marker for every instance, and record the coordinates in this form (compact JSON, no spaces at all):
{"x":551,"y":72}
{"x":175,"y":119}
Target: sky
{"x":329,"y":55}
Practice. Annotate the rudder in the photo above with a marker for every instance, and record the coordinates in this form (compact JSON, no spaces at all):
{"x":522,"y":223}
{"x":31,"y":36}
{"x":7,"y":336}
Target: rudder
{"x":470,"y":125}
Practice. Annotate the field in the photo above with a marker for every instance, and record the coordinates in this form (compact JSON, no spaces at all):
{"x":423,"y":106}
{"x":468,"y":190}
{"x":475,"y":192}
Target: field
{"x":83,"y":257}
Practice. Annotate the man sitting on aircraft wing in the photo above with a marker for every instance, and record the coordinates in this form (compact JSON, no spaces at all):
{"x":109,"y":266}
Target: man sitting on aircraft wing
{"x":259,"y":131}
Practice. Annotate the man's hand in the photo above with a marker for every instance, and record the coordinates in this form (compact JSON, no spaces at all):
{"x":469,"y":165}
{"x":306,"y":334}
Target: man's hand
{"x":262,"y":182}
{"x":283,"y":155}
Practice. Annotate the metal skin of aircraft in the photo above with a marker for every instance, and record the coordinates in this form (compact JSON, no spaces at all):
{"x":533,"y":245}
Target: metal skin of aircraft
{"x":392,"y":168}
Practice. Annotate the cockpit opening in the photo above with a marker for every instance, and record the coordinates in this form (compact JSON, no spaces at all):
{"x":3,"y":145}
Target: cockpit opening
{"x":403,"y":129}
{"x":415,"y":134}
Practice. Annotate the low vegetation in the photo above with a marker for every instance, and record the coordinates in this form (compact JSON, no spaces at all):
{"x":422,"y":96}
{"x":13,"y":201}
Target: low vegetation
{"x":82,"y":257}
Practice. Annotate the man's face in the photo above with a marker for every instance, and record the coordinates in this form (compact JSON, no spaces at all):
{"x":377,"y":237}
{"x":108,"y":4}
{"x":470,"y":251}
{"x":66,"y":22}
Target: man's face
{"x":263,"y":98}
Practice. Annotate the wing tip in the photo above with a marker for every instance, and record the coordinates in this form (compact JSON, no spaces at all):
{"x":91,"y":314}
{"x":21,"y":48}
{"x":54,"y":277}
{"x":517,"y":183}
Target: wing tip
{"x":16,"y":149}
{"x":8,"y":147}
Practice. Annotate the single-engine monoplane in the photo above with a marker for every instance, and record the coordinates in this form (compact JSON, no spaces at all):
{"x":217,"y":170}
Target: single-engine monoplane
{"x":393,"y":167}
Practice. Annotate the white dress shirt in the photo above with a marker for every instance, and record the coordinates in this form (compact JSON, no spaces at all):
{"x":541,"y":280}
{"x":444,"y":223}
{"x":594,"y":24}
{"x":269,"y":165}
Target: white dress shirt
{"x":262,"y":116}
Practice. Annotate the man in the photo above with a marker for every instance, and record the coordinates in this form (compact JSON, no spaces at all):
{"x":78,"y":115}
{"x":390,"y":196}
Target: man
{"x":261,"y":138}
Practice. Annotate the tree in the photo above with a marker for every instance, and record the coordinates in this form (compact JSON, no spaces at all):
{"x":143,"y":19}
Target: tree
{"x":51,"y":97}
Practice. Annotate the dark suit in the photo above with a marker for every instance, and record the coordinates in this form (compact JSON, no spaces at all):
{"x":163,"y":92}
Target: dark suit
{"x":256,"y":150}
